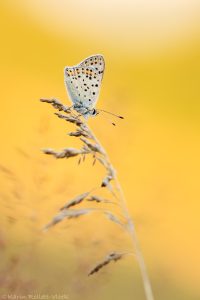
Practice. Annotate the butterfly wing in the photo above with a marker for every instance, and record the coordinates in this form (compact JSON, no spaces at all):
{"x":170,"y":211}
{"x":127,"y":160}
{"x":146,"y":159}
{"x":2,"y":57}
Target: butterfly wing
{"x":83,"y":81}
{"x":95,"y":61}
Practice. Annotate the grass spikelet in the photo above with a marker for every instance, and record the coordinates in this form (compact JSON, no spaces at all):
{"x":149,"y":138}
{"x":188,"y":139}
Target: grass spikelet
{"x":70,"y":119}
{"x":113,"y":256}
{"x":79,"y":133}
{"x":91,"y":146}
{"x":67,"y":214}
{"x":75,"y":201}
{"x":99,"y":199}
{"x":79,"y":160}
{"x":113,"y":218}
{"x":106,"y":181}
{"x":6,"y":170}
{"x":65,"y":153}
{"x":57,"y":104}
{"x":94,"y":162}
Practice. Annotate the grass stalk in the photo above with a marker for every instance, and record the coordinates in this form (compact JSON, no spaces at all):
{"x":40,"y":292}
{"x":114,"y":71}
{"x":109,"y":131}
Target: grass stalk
{"x":92,"y":146}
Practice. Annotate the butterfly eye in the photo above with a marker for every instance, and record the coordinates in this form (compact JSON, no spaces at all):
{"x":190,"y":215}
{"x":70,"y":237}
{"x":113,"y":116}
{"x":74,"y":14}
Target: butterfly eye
{"x":94,"y":112}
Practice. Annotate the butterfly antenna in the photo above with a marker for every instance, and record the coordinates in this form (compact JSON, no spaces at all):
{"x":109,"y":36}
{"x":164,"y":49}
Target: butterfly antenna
{"x":108,"y":112}
{"x":109,"y":120}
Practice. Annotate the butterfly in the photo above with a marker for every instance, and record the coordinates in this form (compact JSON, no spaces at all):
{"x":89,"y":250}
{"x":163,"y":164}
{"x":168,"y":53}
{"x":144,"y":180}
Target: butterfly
{"x":83,"y":82}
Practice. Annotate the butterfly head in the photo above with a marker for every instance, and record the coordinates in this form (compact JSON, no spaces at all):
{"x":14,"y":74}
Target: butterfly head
{"x":91,"y":113}
{"x":85,"y":111}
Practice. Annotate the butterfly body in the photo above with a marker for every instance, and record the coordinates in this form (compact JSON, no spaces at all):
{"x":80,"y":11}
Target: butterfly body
{"x":83,"y":82}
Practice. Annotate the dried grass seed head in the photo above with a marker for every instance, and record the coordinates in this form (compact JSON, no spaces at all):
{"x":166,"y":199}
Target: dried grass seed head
{"x":75,"y":201}
{"x":113,"y":256}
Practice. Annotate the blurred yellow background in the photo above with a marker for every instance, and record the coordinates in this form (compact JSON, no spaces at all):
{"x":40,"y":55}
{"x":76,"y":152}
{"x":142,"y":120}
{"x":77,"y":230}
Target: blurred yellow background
{"x":152,"y":78}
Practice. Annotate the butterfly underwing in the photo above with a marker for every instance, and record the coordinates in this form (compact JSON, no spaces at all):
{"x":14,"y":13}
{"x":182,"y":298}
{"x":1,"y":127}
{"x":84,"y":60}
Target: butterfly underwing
{"x":83,"y":82}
